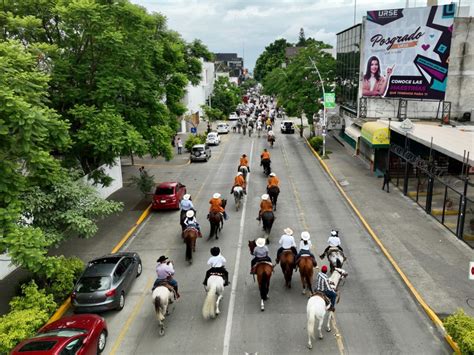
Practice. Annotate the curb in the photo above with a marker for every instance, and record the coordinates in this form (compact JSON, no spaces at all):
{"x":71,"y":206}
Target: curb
{"x":66,"y":305}
{"x":431,"y":314}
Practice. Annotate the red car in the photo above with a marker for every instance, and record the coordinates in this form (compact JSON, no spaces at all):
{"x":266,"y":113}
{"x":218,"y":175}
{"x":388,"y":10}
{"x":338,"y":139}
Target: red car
{"x":168,"y":195}
{"x":84,"y":334}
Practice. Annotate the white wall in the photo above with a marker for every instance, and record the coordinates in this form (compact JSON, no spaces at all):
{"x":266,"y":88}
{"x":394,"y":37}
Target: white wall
{"x":197,"y":95}
{"x":115,"y":172}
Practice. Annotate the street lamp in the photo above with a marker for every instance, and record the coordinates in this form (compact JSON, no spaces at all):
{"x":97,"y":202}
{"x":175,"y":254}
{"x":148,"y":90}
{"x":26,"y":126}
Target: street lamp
{"x":324,"y":106}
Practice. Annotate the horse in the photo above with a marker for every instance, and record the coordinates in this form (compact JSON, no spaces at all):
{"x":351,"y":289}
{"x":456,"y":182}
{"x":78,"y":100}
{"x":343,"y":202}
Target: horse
{"x":335,"y":257}
{"x":305,"y":266}
{"x":190,"y":235}
{"x":162,"y":297}
{"x":216,"y":221}
{"x":244,"y":170}
{"x":259,"y":130}
{"x":264,"y":272}
{"x":271,"y":140}
{"x":316,"y":307}
{"x":238,"y":195}
{"x":273,"y":192}
{"x":287,"y":263}
{"x":267,"y":219}
{"x":266,"y":163}
{"x":215,"y":291}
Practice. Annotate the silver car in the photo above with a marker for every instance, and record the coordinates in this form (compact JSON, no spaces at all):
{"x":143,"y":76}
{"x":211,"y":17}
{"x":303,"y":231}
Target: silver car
{"x":105,"y":282}
{"x":200,"y":152}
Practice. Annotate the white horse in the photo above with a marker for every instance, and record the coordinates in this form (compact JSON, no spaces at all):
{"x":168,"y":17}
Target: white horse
{"x":162,"y":297}
{"x":238,"y":194}
{"x":215,"y":292}
{"x":317,"y":308}
{"x":336,"y":258}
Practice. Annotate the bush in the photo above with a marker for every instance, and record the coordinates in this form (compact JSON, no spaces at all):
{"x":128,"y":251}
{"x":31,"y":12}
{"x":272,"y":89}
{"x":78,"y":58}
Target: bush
{"x":28,"y":313}
{"x":316,"y":143}
{"x":194,"y":139}
{"x":144,"y":182}
{"x":61,"y":283}
{"x":213,"y":114}
{"x":461,"y":328}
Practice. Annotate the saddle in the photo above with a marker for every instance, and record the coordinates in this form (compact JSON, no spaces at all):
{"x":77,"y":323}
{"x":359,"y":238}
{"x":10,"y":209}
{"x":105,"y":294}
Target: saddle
{"x":254,"y":268}
{"x":165,"y":283}
{"x":217,"y":273}
{"x":191,"y":228}
{"x":323,"y":296}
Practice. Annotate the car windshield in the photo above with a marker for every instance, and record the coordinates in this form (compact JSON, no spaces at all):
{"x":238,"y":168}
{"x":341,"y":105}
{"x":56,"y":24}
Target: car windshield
{"x":164,"y":191}
{"x":38,"y":346}
{"x":62,"y":333}
{"x":198,"y":149}
{"x":92,"y":284}
{"x":288,"y":123}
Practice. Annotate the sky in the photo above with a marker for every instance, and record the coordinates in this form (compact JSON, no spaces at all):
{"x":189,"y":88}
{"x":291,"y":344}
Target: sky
{"x":246,"y":27}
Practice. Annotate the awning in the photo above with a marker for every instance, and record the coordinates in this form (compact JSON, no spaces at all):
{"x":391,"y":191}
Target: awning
{"x":353,"y":132}
{"x":376,"y":134}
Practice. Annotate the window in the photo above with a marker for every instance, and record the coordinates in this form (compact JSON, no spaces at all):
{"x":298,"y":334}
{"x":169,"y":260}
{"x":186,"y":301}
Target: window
{"x":164,"y":191}
{"x":38,"y":346}
{"x":121,"y":268}
{"x":72,"y":347}
{"x":92,"y":284}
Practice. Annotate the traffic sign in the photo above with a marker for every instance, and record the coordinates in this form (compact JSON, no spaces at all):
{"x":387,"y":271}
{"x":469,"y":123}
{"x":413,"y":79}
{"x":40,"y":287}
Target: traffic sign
{"x":330,"y":100}
{"x":193,"y":130}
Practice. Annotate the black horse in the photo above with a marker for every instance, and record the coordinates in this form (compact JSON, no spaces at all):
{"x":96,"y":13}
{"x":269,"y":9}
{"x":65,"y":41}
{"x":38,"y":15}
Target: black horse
{"x":266,"y":163}
{"x":268,"y":218}
{"x":273,"y":192}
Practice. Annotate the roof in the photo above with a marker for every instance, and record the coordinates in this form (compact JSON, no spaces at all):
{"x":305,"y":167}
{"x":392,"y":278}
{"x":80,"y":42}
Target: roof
{"x":376,"y":134}
{"x":348,"y":29}
{"x":167,"y":184}
{"x":226,"y":56}
{"x":449,"y":140}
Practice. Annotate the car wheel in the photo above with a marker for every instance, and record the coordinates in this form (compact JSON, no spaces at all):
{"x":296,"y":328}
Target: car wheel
{"x":102,"y":341}
{"x":139,"y":269}
{"x":121,"y":301}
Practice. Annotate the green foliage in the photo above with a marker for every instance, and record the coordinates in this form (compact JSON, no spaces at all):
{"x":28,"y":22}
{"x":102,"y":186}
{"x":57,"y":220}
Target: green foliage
{"x":213,"y":114}
{"x":144,"y":182}
{"x":28,"y":313}
{"x":194,"y":139}
{"x":246,"y":85}
{"x":316,"y":143}
{"x":460,"y":327}
{"x":65,"y":274}
{"x":226,"y":96}
{"x":272,"y":57}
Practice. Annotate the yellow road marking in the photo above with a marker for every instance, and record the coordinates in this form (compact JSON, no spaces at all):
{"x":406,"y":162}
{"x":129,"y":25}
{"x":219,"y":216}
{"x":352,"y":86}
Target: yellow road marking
{"x":132,"y":316}
{"x":405,"y":279}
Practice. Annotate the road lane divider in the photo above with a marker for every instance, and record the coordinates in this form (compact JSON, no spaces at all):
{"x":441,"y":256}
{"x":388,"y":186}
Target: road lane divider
{"x":431,"y":314}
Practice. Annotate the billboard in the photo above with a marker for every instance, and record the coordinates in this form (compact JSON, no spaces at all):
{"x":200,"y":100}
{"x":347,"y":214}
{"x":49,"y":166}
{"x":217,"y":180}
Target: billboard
{"x":406,"y":52}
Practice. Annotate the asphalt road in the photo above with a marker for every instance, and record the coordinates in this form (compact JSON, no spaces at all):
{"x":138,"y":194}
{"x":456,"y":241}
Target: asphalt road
{"x":376,"y":313}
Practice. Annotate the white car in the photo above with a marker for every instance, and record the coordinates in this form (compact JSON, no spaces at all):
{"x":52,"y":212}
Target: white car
{"x":222,"y":128}
{"x":233,"y":116}
{"x":213,"y":138}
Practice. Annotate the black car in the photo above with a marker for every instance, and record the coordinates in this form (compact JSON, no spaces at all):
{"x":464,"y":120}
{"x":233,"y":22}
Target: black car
{"x":287,"y":127}
{"x":105,"y":282}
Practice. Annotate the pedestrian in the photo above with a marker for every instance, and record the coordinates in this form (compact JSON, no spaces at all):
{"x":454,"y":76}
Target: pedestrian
{"x":209,"y":127}
{"x":179,"y":143}
{"x":386,"y":180}
{"x":173,"y":140}
{"x":142,"y":171}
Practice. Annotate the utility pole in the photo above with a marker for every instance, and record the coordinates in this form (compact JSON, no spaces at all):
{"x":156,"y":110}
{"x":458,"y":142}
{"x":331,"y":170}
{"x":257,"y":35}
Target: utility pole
{"x":324,"y":106}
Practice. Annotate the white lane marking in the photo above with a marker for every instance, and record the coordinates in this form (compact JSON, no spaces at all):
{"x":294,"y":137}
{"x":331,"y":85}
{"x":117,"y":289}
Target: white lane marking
{"x":230,"y":312}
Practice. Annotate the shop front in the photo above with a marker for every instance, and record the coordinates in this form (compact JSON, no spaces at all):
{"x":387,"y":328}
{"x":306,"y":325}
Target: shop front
{"x":374,"y":145}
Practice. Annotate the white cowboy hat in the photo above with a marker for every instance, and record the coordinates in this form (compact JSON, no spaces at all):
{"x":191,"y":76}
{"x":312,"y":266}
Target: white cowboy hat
{"x":239,"y":173}
{"x":305,"y":235}
{"x":272,"y":174}
{"x":216,"y":195}
{"x":186,"y":197}
{"x":190,"y":214}
{"x":265,"y":196}
{"x":260,"y":242}
{"x":334,"y":233}
{"x":288,"y":231}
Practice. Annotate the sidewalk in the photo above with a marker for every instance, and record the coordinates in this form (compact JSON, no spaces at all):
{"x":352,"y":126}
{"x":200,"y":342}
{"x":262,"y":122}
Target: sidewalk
{"x":433,"y":259}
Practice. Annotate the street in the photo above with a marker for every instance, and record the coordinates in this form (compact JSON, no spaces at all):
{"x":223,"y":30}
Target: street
{"x":376,"y":313}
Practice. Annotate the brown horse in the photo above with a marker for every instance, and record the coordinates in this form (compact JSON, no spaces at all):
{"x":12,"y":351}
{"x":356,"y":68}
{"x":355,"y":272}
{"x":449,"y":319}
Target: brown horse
{"x":305,"y":265}
{"x":190,"y":236}
{"x":216,"y":221}
{"x":273,"y":192}
{"x":264,"y":272}
{"x":287,"y":263}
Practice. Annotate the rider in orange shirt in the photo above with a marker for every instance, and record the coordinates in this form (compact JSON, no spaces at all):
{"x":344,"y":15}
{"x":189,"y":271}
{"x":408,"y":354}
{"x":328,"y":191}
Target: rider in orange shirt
{"x":265,"y":206}
{"x":216,"y":205}
{"x":273,"y":181}
{"x":244,"y":162}
{"x":239,"y":181}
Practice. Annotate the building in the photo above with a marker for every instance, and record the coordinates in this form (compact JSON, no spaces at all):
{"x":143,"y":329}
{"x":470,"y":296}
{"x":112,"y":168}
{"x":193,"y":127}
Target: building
{"x":229,"y":63}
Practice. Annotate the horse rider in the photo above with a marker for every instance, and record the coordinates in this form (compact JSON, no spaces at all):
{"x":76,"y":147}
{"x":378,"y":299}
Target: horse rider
{"x":239,"y":181}
{"x":260,"y":253}
{"x":185,"y":205}
{"x":264,"y":156}
{"x":165,"y":273}
{"x":334,"y":242}
{"x":268,"y":124}
{"x":244,"y":162}
{"x":216,"y":205}
{"x":217,"y":264}
{"x":191,"y":222}
{"x":305,"y":248}
{"x":265,"y":206}
{"x":273,"y":181}
{"x":287,"y":242}
{"x":323,"y":285}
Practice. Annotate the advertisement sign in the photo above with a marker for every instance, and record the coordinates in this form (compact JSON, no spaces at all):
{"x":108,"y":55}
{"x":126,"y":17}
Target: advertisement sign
{"x":330,"y":100}
{"x":406,"y":52}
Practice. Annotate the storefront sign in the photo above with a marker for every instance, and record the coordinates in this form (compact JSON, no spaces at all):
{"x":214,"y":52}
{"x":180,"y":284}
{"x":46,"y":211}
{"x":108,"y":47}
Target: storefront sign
{"x":406,"y":52}
{"x":330,"y":100}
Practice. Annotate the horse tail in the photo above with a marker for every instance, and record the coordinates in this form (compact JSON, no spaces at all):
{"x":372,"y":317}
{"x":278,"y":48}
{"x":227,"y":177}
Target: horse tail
{"x":159,"y":314}
{"x":209,"y":307}
{"x":264,"y":286}
{"x":189,"y":247}
{"x":338,"y":263}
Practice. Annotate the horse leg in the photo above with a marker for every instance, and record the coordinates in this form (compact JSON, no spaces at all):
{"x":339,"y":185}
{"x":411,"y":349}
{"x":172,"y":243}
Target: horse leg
{"x":320,"y":324}
{"x":303,"y":282}
{"x":328,"y":326}
{"x":262,"y":305}
{"x":217,"y":304}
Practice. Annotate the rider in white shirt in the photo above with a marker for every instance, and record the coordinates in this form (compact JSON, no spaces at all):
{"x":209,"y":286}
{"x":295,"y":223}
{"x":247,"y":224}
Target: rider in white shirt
{"x":334,"y":242}
{"x":286,"y":242}
{"x":305,"y":248}
{"x":217,"y":264}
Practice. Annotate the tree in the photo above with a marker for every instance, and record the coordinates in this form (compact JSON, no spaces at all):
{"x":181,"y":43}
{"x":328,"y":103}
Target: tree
{"x":272,"y":57}
{"x":226,"y":96}
{"x":301,"y":39}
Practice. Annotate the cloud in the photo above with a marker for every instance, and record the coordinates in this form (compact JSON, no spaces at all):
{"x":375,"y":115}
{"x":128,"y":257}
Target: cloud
{"x":248,"y":27}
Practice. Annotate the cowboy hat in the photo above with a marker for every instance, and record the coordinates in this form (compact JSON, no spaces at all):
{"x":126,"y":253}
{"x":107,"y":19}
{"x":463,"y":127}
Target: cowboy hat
{"x":162,"y":259}
{"x":305,"y":235}
{"x":333,"y":233}
{"x":260,"y":242}
{"x":190,"y":214}
{"x":239,"y":173}
{"x":272,"y":174}
{"x":186,"y":197}
{"x":265,"y":196}
{"x":288,"y":231}
{"x":216,"y":195}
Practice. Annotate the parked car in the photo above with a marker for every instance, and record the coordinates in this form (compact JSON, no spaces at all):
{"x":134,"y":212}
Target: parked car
{"x":287,"y":127}
{"x":200,"y":152}
{"x":105,"y":282}
{"x":222,"y":128}
{"x":213,"y":138}
{"x":233,"y":116}
{"x":168,"y":195}
{"x":84,"y":334}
